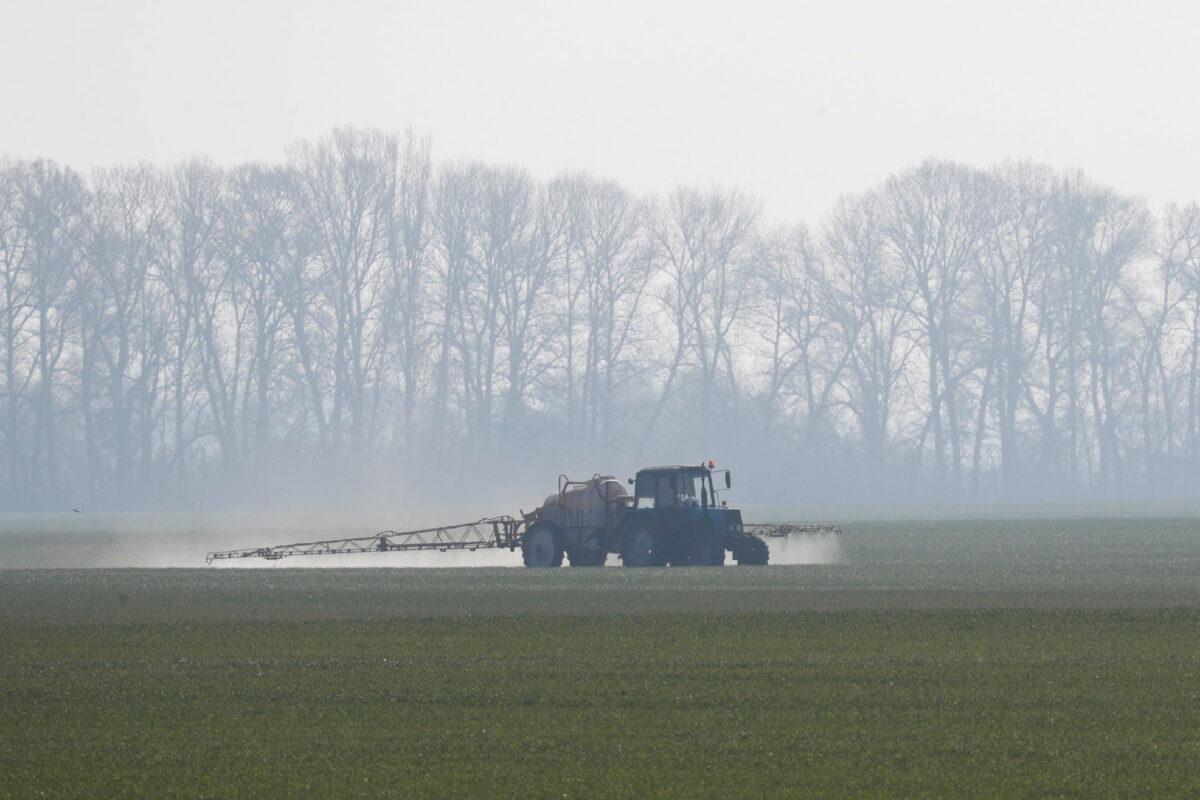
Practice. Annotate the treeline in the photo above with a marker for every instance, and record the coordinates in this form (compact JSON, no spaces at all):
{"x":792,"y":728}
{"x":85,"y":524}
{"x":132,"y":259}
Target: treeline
{"x":360,"y":323}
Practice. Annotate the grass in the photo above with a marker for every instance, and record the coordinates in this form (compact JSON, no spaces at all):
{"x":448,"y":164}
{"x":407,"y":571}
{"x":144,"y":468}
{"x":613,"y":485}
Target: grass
{"x":1050,"y":660}
{"x":1016,"y":703}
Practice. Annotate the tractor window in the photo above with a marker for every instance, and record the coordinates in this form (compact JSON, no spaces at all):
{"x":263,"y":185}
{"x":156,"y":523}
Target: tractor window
{"x":645,"y":487}
{"x":687,"y":487}
{"x":647,"y":490}
{"x":687,"y":491}
{"x":671,"y":490}
{"x":664,"y":493}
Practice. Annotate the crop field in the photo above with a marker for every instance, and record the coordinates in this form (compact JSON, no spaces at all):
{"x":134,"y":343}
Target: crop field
{"x":1010,"y":658}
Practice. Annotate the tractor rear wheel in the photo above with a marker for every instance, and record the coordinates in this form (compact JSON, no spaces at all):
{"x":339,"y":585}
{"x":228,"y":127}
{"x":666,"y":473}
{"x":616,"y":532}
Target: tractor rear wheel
{"x":642,"y":547}
{"x":541,"y":547}
{"x":587,"y":558}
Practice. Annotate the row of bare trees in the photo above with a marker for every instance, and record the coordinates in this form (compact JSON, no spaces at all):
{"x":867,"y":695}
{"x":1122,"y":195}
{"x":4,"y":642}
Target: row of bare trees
{"x":360,"y":320}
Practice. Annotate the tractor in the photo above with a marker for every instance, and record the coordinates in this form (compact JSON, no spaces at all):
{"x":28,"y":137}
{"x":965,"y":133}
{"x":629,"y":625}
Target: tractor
{"x":674,"y":517}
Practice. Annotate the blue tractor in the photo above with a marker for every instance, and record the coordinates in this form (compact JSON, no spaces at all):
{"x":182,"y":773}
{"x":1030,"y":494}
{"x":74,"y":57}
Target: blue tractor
{"x":674,"y":517}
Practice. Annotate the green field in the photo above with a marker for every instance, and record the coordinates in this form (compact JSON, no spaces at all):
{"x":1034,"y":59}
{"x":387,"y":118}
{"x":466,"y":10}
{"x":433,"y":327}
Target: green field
{"x":1022,"y":658}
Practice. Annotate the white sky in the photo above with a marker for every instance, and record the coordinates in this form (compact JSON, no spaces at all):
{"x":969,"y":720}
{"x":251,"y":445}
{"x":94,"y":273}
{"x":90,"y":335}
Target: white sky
{"x":796,"y":102}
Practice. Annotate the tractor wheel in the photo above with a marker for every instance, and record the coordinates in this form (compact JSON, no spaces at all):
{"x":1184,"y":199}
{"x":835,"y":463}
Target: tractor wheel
{"x":642,"y":547}
{"x":709,"y":552}
{"x":540,"y":547}
{"x":752,"y":552}
{"x":587,"y":558}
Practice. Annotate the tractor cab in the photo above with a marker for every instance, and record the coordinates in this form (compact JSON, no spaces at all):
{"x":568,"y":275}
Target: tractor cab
{"x":686,"y":500}
{"x":677,"y":487}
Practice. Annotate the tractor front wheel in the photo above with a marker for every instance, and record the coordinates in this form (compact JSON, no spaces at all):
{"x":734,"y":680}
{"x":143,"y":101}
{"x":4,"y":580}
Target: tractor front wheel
{"x":540,"y":547}
{"x":751,"y":552}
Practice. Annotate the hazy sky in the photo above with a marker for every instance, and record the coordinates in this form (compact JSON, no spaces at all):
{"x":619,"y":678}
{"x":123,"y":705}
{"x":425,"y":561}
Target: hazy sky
{"x":795,"y":102}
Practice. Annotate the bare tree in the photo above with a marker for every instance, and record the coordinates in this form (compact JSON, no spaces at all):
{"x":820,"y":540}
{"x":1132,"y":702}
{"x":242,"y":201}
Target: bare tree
{"x":1012,"y":274}
{"x":607,"y":265}
{"x":253,"y":242}
{"x":124,"y":320}
{"x":1179,"y":264}
{"x":933,"y":226}
{"x":346,"y":186}
{"x":407,"y":329}
{"x":52,"y":203}
{"x":523,"y":240}
{"x":872,"y":299}
{"x":1100,"y":235}
{"x":15,"y":326}
{"x":201,"y":282}
{"x":803,"y":357}
{"x":457,"y":196}
{"x":705,"y":241}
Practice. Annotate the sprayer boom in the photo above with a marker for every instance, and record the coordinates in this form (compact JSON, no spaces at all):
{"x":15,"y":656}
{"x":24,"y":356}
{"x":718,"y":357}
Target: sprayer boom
{"x":486,"y":533}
